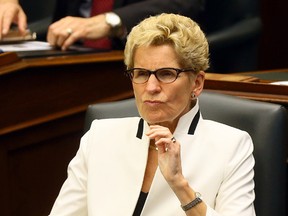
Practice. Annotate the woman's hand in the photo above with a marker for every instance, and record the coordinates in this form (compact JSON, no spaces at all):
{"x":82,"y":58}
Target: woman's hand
{"x":169,"y":161}
{"x":68,"y":30}
{"x":169,"y":158}
{"x":11,"y":12}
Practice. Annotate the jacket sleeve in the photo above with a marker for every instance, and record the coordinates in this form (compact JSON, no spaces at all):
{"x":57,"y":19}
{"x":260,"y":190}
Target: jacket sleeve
{"x":72,"y":199}
{"x":236,"y":194}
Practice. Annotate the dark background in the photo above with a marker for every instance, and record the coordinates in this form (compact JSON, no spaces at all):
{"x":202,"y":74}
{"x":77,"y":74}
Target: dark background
{"x":273,"y":50}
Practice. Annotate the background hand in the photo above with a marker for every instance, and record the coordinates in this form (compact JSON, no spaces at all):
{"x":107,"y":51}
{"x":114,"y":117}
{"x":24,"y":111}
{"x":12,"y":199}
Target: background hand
{"x":80,"y":28}
{"x":11,"y":12}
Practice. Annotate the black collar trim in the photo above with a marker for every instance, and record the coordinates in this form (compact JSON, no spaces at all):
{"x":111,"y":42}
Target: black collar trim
{"x":191,"y":130}
{"x":140,"y":129}
{"x":194,"y":123}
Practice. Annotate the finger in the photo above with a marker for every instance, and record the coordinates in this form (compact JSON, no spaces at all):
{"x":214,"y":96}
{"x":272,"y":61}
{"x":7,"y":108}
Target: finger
{"x":59,"y":31}
{"x":6,"y":23}
{"x":1,"y":30}
{"x":51,"y":38}
{"x":54,"y":31}
{"x":168,"y":143}
{"x":161,"y":149}
{"x":63,"y":36}
{"x":173,"y":139}
{"x":157,"y":134}
{"x":163,"y":144}
{"x":158,"y":129}
{"x":70,"y":40}
{"x":22,"y":22}
{"x":56,"y":36}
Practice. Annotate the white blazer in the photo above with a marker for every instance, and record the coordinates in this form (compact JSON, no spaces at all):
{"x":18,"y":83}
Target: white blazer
{"x":105,"y":177}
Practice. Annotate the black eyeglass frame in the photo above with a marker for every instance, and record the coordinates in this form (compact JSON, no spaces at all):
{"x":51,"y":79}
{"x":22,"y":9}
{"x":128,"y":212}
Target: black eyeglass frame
{"x":129,"y":73}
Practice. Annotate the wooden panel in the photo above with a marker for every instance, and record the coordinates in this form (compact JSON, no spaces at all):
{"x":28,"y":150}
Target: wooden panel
{"x":246,"y":85}
{"x":37,"y":160}
{"x":45,"y":90}
{"x":43,"y":104}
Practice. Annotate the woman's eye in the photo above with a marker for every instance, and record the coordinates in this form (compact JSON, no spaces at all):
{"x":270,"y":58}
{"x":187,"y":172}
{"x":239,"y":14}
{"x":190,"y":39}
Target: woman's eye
{"x":166,"y":73}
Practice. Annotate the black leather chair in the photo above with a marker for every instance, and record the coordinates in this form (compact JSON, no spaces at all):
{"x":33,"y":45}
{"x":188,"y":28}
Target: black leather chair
{"x":265,"y":122}
{"x":233,"y":30}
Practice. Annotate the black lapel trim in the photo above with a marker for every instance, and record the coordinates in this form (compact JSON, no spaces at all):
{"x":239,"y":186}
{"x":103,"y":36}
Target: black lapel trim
{"x":140,"y":129}
{"x":191,"y":130}
{"x":194,"y":123}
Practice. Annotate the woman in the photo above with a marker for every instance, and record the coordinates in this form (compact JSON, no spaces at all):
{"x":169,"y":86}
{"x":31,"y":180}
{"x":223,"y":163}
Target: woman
{"x":156,"y":164}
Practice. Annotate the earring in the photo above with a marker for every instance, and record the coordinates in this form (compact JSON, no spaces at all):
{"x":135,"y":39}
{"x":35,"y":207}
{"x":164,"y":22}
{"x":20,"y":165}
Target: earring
{"x":193,"y":96}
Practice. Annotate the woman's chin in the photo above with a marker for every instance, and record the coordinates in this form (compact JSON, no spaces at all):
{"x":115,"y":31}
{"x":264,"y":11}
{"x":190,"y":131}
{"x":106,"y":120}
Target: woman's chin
{"x":153,"y":120}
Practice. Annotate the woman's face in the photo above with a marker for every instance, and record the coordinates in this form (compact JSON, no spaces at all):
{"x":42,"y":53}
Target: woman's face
{"x":160,"y":103}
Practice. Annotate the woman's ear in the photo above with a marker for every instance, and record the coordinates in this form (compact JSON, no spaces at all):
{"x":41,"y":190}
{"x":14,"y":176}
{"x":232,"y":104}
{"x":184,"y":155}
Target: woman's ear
{"x":199,"y":83}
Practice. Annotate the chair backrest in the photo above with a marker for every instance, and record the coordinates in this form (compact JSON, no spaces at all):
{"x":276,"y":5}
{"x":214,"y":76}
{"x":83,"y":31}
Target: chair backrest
{"x":265,"y":122}
{"x":115,"y":109}
{"x":267,"y":125}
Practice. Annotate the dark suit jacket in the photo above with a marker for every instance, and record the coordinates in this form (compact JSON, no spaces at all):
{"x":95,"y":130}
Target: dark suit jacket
{"x":132,"y":12}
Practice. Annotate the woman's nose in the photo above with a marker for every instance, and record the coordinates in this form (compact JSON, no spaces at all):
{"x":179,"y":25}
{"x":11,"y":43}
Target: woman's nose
{"x":153,"y":84}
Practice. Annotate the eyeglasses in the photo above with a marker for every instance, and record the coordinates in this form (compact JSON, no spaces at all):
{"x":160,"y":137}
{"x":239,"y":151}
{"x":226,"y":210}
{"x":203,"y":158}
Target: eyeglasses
{"x":164,"y":75}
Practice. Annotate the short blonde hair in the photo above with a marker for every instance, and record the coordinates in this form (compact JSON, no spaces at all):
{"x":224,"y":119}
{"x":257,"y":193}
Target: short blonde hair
{"x":181,"y":32}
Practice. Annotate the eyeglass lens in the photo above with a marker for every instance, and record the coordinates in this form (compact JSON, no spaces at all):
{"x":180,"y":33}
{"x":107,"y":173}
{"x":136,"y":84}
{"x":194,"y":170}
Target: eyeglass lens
{"x":165,"y":75}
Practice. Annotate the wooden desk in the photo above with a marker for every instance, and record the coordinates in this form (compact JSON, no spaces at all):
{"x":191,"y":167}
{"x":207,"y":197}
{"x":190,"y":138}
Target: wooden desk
{"x":43,"y":104}
{"x":251,"y":85}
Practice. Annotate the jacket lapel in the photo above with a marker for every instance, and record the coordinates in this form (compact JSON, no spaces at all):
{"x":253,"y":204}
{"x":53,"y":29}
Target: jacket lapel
{"x":128,"y":178}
